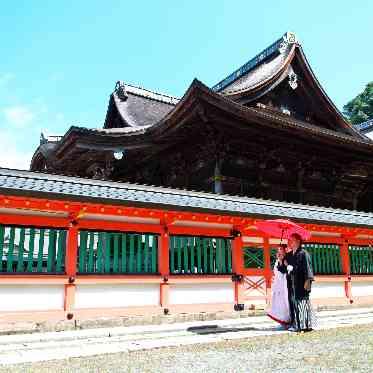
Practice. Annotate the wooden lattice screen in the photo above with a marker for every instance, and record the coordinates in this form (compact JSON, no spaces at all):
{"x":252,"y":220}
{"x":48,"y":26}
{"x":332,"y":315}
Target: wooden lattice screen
{"x":203,"y":255}
{"x":32,"y":250}
{"x":326,"y":258}
{"x":361,"y":259}
{"x":117,"y":252}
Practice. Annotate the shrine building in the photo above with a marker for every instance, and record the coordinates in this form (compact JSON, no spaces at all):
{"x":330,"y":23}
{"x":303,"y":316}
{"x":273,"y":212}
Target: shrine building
{"x":268,"y":130}
{"x":156,"y":211}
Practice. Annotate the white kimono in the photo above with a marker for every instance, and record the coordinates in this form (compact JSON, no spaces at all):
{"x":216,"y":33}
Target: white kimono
{"x":279,"y":310}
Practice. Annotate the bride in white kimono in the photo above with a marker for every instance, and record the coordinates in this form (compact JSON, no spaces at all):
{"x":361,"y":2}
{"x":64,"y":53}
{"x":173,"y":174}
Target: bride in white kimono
{"x":280,"y":310}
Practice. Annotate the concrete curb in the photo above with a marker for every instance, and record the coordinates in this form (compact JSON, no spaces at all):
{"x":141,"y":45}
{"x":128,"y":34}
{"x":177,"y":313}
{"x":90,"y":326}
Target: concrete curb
{"x":125,"y":321}
{"x":12,"y":328}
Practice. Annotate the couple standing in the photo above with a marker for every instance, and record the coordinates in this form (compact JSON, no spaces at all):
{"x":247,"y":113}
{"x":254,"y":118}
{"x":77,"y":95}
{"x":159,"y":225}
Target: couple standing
{"x":291,"y":287}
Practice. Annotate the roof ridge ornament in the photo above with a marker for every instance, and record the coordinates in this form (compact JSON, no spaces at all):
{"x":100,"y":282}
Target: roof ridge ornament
{"x":288,"y":39}
{"x":43,"y":139}
{"x":120,"y":89}
{"x":123,"y":90}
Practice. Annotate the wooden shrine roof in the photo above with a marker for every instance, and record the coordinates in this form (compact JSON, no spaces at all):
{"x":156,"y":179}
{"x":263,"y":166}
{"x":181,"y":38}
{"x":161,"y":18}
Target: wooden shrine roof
{"x":47,"y":186}
{"x":196,"y":97}
{"x":141,"y":117}
{"x":257,"y":70}
{"x":272,"y":66}
{"x":137,"y":106}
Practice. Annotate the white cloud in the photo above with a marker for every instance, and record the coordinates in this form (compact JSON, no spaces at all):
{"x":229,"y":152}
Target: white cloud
{"x":11,"y":155}
{"x":19,"y":115}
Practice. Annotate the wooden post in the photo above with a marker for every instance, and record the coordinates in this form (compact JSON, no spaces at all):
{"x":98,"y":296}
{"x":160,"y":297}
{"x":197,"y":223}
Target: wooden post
{"x":70,"y":265}
{"x":237,"y":265}
{"x":164,"y":267}
{"x":346,"y":268}
{"x":267,"y":268}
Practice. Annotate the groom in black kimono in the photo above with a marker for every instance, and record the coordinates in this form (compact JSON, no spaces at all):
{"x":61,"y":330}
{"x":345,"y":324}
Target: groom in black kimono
{"x":300,"y":277}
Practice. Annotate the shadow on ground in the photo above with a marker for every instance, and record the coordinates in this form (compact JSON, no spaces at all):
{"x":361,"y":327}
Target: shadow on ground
{"x":215,"y":329}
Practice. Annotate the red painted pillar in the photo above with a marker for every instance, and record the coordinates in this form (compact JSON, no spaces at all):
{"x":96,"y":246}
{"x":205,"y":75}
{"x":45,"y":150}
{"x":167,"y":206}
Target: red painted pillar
{"x":164,"y":267}
{"x":237,"y":266}
{"x":70,"y":265}
{"x":346,"y":268}
{"x":267,"y":268}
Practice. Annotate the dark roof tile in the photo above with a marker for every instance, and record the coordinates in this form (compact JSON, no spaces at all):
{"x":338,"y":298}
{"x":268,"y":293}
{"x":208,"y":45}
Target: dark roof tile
{"x":49,"y":186}
{"x":140,"y":107}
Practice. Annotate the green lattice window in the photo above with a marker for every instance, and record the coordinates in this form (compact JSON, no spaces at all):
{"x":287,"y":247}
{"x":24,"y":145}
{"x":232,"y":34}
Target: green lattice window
{"x":203,"y":255}
{"x":117,"y":252}
{"x":361,"y":259}
{"x":326,"y":258}
{"x":273,"y":257}
{"x":253,"y":257}
{"x":32,"y":250}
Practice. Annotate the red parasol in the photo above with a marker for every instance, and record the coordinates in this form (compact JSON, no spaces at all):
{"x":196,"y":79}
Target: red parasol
{"x":282,"y":228}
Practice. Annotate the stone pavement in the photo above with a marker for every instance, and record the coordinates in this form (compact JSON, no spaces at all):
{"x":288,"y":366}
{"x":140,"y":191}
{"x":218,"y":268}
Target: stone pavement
{"x":36,"y":347}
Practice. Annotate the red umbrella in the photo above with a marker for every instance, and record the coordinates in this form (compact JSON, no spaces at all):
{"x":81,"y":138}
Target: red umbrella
{"x":282,"y":228}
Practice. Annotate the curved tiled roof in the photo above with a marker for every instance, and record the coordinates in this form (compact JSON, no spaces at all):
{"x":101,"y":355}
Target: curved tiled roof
{"x":26,"y":183}
{"x":265,"y":117}
{"x":279,"y":46}
{"x":260,"y":74}
{"x":196,"y":95}
{"x":138,"y":106}
{"x":272,"y":66}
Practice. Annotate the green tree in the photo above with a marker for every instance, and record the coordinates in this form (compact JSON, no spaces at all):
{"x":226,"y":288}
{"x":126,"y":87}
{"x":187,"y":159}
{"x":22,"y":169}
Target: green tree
{"x":360,"y":109}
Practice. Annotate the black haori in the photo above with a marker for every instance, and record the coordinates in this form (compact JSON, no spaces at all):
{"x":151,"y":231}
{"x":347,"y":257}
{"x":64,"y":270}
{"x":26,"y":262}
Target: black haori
{"x":302,"y":314}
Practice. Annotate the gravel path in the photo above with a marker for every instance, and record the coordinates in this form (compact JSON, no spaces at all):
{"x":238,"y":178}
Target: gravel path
{"x":347,"y":349}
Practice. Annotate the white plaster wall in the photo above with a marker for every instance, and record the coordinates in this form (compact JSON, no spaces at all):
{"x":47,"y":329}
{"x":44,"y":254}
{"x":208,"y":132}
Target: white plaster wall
{"x":116,"y":295}
{"x":277,"y":241}
{"x":201,"y":293}
{"x":361,"y":289}
{"x":327,"y":290}
{"x":31,"y":297}
{"x":255,"y":302}
{"x":249,"y":239}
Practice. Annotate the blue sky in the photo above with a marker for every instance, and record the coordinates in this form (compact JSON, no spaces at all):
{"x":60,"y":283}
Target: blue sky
{"x":59,"y":61}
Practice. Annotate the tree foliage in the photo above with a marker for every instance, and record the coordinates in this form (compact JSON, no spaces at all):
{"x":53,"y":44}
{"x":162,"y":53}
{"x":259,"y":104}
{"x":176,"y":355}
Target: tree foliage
{"x":360,"y":109}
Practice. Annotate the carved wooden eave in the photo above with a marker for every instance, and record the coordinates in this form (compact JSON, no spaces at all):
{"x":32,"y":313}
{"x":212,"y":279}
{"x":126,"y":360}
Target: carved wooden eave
{"x":245,"y":118}
{"x":198,"y":107}
{"x":285,"y":61}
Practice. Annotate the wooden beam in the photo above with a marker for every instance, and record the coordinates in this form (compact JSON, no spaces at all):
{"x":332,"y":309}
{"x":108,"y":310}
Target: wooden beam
{"x":34,"y":221}
{"x":100,"y":225}
{"x":32,"y":279}
{"x":198,"y":231}
{"x":38,"y":205}
{"x":117,"y":279}
{"x":197,"y":279}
